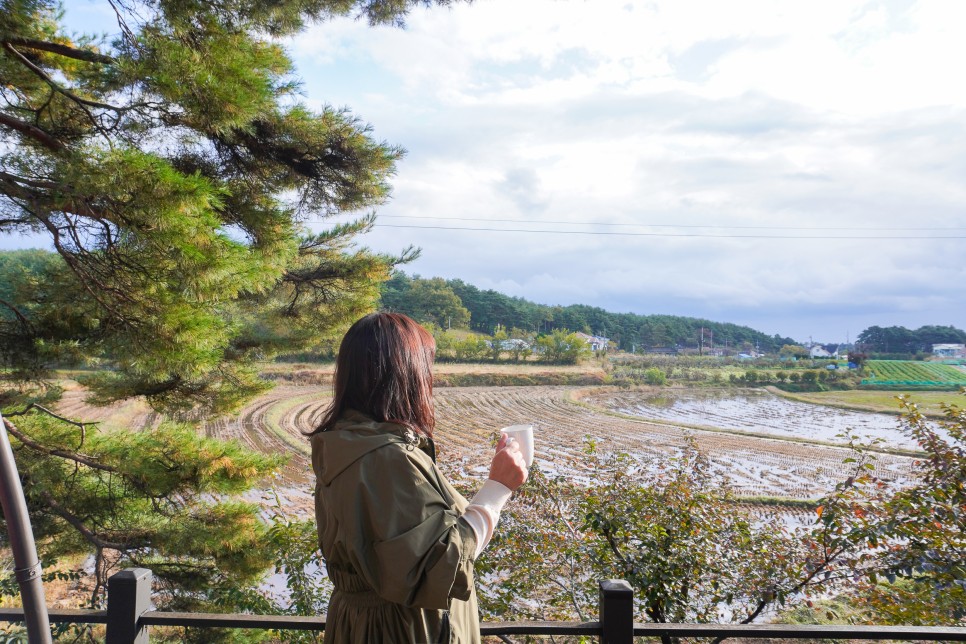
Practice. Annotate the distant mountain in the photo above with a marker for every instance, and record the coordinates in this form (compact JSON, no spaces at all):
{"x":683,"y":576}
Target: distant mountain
{"x":446,"y":302}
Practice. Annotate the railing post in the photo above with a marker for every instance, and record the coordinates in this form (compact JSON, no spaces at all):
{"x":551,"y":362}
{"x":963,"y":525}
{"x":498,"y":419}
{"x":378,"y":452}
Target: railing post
{"x":128,"y":597}
{"x":616,"y":612}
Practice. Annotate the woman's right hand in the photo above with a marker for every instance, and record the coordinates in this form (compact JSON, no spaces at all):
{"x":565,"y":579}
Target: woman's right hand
{"x":508,"y":466}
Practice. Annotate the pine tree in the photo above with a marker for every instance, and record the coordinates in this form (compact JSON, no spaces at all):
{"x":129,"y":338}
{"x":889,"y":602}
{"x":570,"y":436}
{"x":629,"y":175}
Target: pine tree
{"x":172,"y":168}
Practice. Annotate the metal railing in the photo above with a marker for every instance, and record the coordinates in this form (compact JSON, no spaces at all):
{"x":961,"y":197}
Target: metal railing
{"x":128,"y":619}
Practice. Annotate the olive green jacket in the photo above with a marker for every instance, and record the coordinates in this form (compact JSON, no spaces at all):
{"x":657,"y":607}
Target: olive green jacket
{"x":395,"y":547}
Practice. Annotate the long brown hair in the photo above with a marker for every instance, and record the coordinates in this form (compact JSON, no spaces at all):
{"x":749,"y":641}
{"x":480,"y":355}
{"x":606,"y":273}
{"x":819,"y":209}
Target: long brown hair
{"x":384,"y":370}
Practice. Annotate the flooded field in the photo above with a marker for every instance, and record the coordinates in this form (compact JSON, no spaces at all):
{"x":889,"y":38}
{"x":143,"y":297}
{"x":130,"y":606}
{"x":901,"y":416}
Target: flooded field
{"x":468,"y":419}
{"x":758,"y":412}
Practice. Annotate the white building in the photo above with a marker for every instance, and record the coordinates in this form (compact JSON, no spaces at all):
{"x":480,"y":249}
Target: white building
{"x":595,"y":342}
{"x":949,"y":350}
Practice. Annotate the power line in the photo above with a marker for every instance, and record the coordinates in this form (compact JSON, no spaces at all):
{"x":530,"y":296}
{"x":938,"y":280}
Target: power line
{"x":603,"y":223}
{"x":633,"y":234}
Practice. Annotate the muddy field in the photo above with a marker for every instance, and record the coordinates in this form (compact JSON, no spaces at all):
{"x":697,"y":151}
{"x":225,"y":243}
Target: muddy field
{"x":760,"y":412}
{"x":469,"y":417}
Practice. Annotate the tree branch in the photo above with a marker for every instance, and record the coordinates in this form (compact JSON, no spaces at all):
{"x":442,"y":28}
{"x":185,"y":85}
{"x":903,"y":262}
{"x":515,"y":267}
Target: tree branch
{"x":24,"y":322}
{"x":33,"y":183}
{"x":569,"y":589}
{"x":556,"y":504}
{"x":34,"y":132}
{"x":83,"y":426}
{"x":62,"y":512}
{"x":762,"y":605}
{"x":125,"y":29}
{"x":10,"y":184}
{"x":615,"y":548}
{"x":83,"y":273}
{"x":70,"y":456}
{"x":26,"y":62}
{"x":61,"y":50}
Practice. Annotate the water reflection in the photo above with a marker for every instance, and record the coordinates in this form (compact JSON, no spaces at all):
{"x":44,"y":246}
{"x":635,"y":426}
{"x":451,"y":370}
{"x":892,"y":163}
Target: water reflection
{"x":761,"y":412}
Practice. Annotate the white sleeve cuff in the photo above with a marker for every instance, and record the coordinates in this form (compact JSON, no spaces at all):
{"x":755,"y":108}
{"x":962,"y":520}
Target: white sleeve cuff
{"x":484,"y":509}
{"x":493,"y":495}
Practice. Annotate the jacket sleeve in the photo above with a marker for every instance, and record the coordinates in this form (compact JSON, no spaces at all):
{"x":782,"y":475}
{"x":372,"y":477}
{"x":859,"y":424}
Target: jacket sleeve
{"x":403,"y":535}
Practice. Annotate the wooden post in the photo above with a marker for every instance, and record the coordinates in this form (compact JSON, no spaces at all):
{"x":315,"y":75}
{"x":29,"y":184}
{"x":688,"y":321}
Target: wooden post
{"x":128,"y":597}
{"x":616,"y":612}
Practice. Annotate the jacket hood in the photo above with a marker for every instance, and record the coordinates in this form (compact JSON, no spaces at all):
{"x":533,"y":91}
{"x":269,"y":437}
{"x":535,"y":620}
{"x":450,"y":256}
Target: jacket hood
{"x":355,"y":435}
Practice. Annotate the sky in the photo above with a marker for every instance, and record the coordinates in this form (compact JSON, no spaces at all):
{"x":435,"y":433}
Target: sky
{"x":797,"y":167}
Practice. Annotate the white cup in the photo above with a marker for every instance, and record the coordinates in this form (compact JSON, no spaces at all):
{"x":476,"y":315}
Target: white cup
{"x":523,"y":435}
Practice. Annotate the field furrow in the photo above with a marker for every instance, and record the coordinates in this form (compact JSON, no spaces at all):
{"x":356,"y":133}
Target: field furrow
{"x":757,"y":466}
{"x":468,"y":420}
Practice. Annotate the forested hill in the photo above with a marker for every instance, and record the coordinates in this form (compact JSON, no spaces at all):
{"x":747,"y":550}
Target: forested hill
{"x":460,"y":305}
{"x":900,"y":340}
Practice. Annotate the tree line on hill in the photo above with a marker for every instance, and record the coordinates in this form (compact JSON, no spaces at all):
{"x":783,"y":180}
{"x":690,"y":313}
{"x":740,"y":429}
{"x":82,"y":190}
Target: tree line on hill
{"x":900,"y":341}
{"x":456,"y":304}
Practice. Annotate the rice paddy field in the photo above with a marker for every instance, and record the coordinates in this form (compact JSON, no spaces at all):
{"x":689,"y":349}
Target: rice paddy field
{"x":765,"y":445}
{"x":760,"y":412}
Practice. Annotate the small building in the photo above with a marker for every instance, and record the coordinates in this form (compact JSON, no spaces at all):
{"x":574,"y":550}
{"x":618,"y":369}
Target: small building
{"x":823,"y":351}
{"x":949,"y":350}
{"x":595,"y":342}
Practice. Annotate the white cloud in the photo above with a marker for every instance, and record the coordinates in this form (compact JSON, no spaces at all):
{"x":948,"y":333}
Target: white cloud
{"x":825,"y":115}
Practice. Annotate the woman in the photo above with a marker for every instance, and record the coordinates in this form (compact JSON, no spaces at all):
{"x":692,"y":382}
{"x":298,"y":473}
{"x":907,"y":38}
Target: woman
{"x":398,"y":540}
